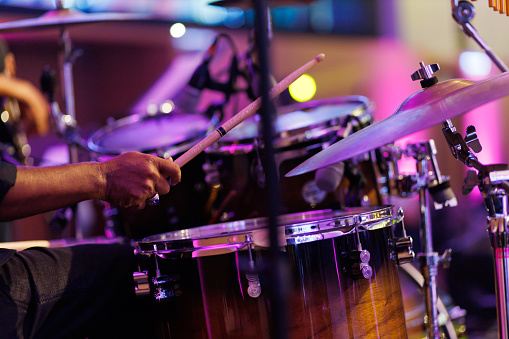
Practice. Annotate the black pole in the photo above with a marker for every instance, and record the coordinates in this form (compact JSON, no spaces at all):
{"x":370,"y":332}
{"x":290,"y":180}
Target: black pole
{"x":277,"y":269}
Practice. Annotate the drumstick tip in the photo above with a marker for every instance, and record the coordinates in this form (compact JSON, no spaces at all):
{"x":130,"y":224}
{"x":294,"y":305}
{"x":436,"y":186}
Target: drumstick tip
{"x":320,"y":57}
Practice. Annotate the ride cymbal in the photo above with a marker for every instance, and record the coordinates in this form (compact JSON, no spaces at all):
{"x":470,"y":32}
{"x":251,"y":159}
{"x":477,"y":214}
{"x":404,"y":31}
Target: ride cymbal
{"x":65,"y":17}
{"x":422,"y":110}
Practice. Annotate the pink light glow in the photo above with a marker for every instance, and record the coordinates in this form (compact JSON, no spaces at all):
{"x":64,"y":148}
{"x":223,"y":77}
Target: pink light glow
{"x":392,"y":85}
{"x":488,"y":122}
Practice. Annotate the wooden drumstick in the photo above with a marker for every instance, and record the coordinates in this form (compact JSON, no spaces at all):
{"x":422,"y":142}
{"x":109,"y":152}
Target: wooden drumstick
{"x":245,"y":113}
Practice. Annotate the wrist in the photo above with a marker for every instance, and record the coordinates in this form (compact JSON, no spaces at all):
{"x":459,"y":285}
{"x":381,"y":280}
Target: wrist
{"x":98,"y":180}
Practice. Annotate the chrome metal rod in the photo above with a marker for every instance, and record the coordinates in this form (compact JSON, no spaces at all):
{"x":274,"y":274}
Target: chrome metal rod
{"x":66,"y":65}
{"x":501,"y":288}
{"x":463,"y":12}
{"x":472,"y":32}
{"x":499,"y":235}
{"x":428,"y":259}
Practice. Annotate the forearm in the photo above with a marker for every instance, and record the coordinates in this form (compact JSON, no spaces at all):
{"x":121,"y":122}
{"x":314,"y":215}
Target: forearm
{"x":42,"y":189}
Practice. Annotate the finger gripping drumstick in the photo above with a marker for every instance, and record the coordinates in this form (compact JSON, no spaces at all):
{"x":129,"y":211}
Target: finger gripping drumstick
{"x":246,"y":112}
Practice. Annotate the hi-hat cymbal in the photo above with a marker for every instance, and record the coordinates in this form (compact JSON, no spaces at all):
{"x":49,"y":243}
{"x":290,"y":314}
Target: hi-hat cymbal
{"x":426,"y":108}
{"x":65,"y":17}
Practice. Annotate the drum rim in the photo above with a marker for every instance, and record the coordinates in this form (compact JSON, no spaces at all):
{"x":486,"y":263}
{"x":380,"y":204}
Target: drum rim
{"x":298,"y":135}
{"x":300,"y":227}
{"x":94,"y":146}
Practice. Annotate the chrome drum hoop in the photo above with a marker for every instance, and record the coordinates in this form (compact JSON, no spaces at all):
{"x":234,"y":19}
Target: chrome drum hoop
{"x":294,"y":228}
{"x":151,"y":134}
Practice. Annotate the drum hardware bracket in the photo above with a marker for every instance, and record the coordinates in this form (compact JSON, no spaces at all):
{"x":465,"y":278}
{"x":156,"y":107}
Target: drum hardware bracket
{"x":402,"y":247}
{"x":357,"y":264}
{"x":357,"y":261}
{"x":493,"y":183}
{"x":425,"y":74}
{"x":164,"y":285}
{"x":408,"y":185}
{"x":433,"y":260}
{"x":141,"y":283}
{"x":459,"y":147}
{"x":254,"y":289}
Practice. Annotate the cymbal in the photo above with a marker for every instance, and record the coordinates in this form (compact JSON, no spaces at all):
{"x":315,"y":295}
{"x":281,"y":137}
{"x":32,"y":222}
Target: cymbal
{"x":424,"y":109}
{"x":247,"y":4}
{"x":65,"y":17}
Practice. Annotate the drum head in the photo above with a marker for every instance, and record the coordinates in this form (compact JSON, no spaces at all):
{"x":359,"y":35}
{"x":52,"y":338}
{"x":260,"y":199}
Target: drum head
{"x":295,"y":228}
{"x":297,"y":123}
{"x":150,"y":134}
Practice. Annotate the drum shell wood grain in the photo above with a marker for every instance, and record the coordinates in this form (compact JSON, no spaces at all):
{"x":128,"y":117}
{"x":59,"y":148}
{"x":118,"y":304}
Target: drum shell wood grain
{"x":324,"y":300}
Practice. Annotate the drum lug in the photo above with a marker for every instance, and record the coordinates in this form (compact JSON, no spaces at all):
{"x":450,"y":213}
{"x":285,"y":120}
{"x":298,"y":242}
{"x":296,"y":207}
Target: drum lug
{"x":254,"y":289}
{"x":401,"y":250}
{"x":402,"y":247}
{"x":141,"y":285}
{"x":164,"y":287}
{"x":358,"y":264}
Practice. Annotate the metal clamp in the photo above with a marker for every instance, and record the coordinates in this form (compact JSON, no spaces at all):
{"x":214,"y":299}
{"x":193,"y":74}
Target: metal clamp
{"x":141,"y":284}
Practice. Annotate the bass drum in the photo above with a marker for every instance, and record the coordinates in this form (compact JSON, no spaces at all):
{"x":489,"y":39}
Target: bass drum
{"x":451,"y":318}
{"x":214,"y":281}
{"x":301,"y":130}
{"x":163,"y":135}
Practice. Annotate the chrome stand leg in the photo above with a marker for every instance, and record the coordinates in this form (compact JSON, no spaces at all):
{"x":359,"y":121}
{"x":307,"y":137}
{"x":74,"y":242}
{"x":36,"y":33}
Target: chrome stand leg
{"x":497,"y":227}
{"x":428,"y":261}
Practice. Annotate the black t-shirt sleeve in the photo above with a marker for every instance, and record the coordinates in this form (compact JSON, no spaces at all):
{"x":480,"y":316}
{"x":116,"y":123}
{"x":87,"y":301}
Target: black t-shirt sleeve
{"x":8,"y":174}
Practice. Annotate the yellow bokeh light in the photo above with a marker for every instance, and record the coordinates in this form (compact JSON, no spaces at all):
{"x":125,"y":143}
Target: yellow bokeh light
{"x":303,"y":89}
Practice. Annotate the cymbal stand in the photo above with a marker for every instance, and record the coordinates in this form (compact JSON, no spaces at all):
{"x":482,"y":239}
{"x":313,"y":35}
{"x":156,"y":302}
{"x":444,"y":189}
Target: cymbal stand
{"x":67,"y":58}
{"x":427,"y":180}
{"x":463,"y":12}
{"x":493,"y":183}
{"x":66,"y":123}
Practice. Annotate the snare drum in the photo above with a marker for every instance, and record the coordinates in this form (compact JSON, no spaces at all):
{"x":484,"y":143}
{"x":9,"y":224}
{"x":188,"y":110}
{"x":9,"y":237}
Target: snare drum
{"x":212,"y":281}
{"x":302,"y":130}
{"x":164,"y":135}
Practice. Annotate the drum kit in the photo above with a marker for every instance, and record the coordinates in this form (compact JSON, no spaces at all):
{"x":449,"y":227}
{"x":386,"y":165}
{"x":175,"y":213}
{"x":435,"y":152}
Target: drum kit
{"x":340,"y":246}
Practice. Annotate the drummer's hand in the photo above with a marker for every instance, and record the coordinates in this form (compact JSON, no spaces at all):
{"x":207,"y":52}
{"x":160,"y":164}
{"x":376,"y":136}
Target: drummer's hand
{"x":132,"y":178}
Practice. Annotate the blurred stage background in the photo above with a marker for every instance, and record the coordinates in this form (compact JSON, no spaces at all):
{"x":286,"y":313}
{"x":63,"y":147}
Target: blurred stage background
{"x":371,"y":46}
